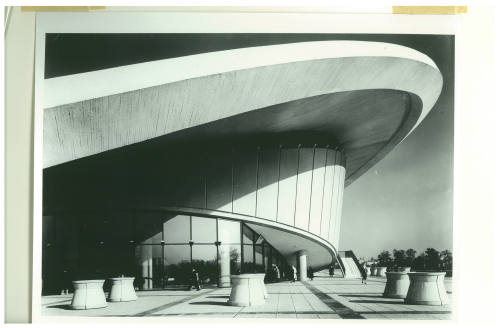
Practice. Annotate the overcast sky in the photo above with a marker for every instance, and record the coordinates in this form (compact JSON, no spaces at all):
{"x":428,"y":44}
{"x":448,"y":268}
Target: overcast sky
{"x":406,"y":200}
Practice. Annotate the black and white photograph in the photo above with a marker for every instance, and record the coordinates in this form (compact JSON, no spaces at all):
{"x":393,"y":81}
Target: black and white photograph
{"x":272,"y":168}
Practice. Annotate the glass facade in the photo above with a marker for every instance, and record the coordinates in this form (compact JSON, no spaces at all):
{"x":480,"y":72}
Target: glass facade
{"x":157,"y":248}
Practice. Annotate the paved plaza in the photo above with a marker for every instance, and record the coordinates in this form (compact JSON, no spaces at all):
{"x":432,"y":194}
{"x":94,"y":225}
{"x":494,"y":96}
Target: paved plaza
{"x":322,"y":298}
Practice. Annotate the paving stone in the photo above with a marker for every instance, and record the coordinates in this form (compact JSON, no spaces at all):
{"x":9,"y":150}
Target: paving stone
{"x":322,"y":298}
{"x":286,"y":315}
{"x":307,"y":316}
{"x":329,"y":316}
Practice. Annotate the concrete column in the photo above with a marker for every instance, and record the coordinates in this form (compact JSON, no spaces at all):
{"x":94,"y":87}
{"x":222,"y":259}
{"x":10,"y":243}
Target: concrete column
{"x":302,"y":262}
{"x":147,"y":267}
{"x":224,"y":266}
{"x":150,"y":275}
{"x":144,"y":266}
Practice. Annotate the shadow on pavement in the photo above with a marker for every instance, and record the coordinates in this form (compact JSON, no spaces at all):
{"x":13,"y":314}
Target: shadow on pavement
{"x":61,"y":306}
{"x":378,"y":295}
{"x":209,"y":303}
{"x":378,"y":301}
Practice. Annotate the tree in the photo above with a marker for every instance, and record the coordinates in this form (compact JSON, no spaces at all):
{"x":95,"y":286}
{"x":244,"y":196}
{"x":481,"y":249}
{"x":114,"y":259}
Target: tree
{"x":432,"y":259}
{"x":384,"y":259}
{"x":234,"y":254}
{"x":410,"y":256}
{"x":399,"y":257}
{"x":419,"y":263}
{"x":446,"y":260}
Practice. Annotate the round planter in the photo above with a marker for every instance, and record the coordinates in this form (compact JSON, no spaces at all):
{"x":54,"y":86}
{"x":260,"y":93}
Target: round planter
{"x":397,"y":285}
{"x":122,"y":289}
{"x":404,"y":269}
{"x":247,"y":290}
{"x":88,"y":295}
{"x":427,"y":288}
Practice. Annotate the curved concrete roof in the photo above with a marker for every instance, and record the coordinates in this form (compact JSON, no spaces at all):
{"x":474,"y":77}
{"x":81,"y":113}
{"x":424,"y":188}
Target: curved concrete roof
{"x":364,"y":97}
{"x":117,"y":80}
{"x":121,"y":106}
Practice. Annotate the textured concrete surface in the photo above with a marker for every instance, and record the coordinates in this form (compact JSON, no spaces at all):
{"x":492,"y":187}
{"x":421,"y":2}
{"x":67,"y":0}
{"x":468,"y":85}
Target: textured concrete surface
{"x":322,"y":298}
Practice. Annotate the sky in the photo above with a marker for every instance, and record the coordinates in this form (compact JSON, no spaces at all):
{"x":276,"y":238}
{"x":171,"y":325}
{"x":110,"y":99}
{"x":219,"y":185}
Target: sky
{"x":405,"y":200}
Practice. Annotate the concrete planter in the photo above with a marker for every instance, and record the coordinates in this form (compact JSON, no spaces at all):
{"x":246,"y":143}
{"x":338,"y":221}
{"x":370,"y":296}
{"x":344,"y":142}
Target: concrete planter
{"x":427,"y":288}
{"x":381,"y":271}
{"x":88,"y":295}
{"x":397,"y":285}
{"x":122,"y":290}
{"x":247,"y":290}
{"x":404,"y":269}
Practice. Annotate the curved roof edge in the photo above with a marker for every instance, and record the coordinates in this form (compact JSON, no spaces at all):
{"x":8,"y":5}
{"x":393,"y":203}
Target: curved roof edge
{"x":117,"y":80}
{"x":290,"y":72}
{"x":253,"y":219}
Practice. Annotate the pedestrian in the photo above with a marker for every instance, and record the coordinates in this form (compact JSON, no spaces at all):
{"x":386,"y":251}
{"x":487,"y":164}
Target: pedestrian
{"x":331,"y":270}
{"x":373,"y":267}
{"x":65,"y":282}
{"x":364,"y":274}
{"x":310,"y":273}
{"x":293,"y":273}
{"x":269,"y":275}
{"x":276,"y":273}
{"x":194,"y":280}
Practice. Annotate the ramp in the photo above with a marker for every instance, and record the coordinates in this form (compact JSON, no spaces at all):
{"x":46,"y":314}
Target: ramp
{"x":351,"y":264}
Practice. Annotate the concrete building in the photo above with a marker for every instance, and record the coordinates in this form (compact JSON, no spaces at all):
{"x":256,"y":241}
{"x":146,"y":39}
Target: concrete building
{"x":229,"y":159}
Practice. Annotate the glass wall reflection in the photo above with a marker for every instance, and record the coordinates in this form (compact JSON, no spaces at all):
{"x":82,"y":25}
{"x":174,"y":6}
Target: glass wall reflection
{"x":158,"y":248}
{"x":204,"y":260}
{"x":177,"y":229}
{"x":203,"y":229}
{"x":177,"y":264}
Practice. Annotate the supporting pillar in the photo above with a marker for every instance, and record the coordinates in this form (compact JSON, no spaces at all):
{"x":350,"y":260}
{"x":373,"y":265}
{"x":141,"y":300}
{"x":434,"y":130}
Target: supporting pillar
{"x":150,"y":273}
{"x":302,"y":261}
{"x":147,"y":267}
{"x":224,"y":266}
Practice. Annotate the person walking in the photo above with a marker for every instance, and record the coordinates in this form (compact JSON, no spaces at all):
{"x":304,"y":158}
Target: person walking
{"x":364,"y":274}
{"x":194,"y":280}
{"x":276,"y":273}
{"x":293,"y":273}
{"x":331,"y":270}
{"x":65,"y":282}
{"x":310,"y":273}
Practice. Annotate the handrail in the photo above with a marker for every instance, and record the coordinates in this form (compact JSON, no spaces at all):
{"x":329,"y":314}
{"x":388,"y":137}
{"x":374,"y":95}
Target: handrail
{"x":341,"y":264}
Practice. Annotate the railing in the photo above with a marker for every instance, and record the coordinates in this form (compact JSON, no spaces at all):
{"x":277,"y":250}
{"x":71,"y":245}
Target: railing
{"x":341,"y":264}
